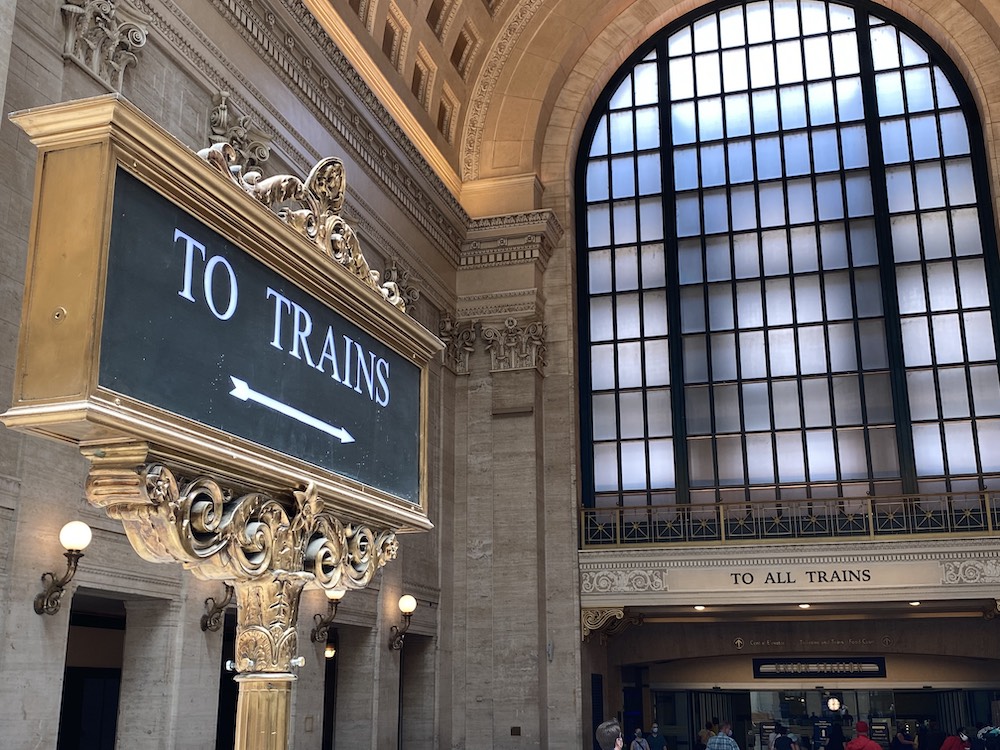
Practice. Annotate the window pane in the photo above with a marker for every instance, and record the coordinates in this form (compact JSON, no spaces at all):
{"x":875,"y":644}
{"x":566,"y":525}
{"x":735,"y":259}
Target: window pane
{"x":632,"y":415}
{"x":605,"y":418}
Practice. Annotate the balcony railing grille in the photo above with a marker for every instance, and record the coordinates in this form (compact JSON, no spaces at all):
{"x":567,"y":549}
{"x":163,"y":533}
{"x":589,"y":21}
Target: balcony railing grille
{"x":798,"y":520}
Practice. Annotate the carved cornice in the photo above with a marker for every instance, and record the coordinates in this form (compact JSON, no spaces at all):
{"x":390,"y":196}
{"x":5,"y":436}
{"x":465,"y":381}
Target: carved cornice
{"x":101,"y":36}
{"x":267,"y":548}
{"x":459,"y":340}
{"x":321,"y":200}
{"x":515,"y":347}
{"x":497,"y":306}
{"x":511,"y":239}
{"x":486,"y":84}
{"x":240,"y":131}
{"x":607,"y":621}
{"x":423,"y":210}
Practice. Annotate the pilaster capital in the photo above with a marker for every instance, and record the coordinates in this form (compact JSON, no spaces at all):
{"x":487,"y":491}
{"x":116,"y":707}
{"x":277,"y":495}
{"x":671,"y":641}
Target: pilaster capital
{"x":514,"y":346}
{"x":459,"y":339}
{"x":512,"y":239}
{"x":102,"y":37}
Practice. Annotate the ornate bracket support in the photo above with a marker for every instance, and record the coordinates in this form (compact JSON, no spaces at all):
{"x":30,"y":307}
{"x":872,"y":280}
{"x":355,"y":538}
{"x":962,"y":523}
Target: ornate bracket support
{"x":320,"y":199}
{"x":267,"y":549}
{"x":458,"y":341}
{"x":102,"y":37}
{"x":252,"y":145}
{"x":515,"y":347}
{"x":606,"y":621}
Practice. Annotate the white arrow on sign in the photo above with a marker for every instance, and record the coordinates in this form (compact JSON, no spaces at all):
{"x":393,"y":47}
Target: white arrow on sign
{"x":244,"y":392}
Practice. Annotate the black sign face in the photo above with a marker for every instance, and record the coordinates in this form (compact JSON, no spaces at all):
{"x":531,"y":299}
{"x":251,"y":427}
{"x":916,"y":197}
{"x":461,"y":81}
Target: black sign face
{"x":196,"y":326}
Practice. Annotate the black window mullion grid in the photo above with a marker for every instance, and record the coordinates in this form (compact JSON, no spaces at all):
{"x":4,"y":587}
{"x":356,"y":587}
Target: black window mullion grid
{"x":883,"y":236}
{"x":955,"y":260}
{"x":671,"y":259}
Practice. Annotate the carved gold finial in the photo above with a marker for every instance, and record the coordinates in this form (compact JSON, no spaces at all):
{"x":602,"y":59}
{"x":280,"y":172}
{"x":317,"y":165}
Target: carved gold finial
{"x":320,"y":199}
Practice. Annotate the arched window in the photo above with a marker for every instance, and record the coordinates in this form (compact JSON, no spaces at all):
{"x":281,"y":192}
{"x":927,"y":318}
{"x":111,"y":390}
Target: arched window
{"x":788,"y":272}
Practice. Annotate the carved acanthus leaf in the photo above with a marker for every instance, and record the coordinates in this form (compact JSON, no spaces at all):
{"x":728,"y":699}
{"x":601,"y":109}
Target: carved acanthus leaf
{"x":458,"y":341}
{"x":311,"y":207}
{"x":252,"y":145}
{"x":102,"y":36}
{"x":515,"y":347}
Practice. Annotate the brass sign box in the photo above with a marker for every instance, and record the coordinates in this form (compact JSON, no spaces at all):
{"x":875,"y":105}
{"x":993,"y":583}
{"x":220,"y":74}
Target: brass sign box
{"x":165,"y":305}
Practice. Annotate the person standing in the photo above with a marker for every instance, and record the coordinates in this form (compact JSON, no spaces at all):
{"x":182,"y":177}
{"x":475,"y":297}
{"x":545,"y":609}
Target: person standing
{"x":782,"y":741}
{"x":639,"y":743}
{"x":724,"y":739}
{"x":704,"y":735}
{"x":835,"y":740}
{"x":656,"y":740}
{"x":861,"y":739}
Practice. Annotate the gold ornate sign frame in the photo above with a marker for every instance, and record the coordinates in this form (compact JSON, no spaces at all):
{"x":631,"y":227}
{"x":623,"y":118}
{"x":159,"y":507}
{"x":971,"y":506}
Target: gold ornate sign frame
{"x":81,"y":145}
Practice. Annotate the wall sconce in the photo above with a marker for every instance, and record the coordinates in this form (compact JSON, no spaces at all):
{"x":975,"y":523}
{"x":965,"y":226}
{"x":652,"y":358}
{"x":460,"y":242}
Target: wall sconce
{"x":407,"y":604}
{"x":214,"y":610}
{"x":321,"y":632}
{"x":74,"y":537}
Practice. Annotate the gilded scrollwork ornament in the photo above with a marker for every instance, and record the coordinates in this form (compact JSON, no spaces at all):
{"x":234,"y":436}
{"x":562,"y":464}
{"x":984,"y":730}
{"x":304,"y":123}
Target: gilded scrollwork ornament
{"x":267,"y":549}
{"x":312,"y":207}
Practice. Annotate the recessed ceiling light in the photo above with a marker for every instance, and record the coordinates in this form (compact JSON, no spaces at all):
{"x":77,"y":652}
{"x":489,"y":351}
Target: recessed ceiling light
{"x":699,"y":607}
{"x":803,"y":606}
{"x":914,"y":604}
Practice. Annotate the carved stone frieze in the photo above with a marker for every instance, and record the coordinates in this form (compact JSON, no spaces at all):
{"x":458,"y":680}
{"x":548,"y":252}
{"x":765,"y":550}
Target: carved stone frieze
{"x":318,"y":219}
{"x":252,"y":145}
{"x":514,"y":346}
{"x":607,"y":621}
{"x":971,"y":571}
{"x":267,"y":548}
{"x":632,"y":580}
{"x":458,"y":339}
{"x":102,"y":36}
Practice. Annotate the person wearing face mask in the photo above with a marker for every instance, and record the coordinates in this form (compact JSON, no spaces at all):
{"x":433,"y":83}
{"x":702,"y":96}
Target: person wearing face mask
{"x":958,"y":741}
{"x":639,"y":743}
{"x":656,"y":740}
{"x":724,"y":739}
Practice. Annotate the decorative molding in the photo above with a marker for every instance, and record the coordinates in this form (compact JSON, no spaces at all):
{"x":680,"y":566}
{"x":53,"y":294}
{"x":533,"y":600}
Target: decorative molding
{"x":321,"y":198}
{"x":458,"y":341}
{"x":215,"y":610}
{"x":252,"y":145}
{"x":515,"y":303}
{"x":486,"y":84}
{"x":511,"y":239}
{"x":635,"y":580}
{"x":971,"y":571}
{"x":515,"y":347}
{"x":992,"y":610}
{"x":607,"y":621}
{"x":102,"y":37}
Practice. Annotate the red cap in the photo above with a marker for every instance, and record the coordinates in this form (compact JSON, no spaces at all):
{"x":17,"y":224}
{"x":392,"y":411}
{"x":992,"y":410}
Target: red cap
{"x":861,"y":727}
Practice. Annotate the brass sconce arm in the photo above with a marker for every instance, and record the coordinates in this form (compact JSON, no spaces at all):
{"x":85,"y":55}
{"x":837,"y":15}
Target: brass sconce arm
{"x":321,"y":632}
{"x":47,"y":602}
{"x":212,"y":619}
